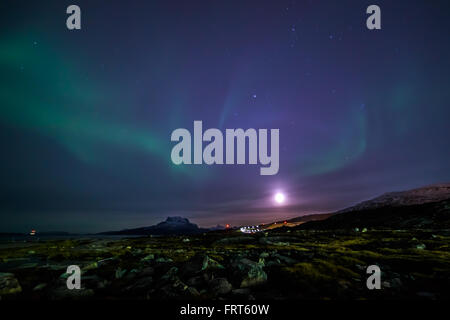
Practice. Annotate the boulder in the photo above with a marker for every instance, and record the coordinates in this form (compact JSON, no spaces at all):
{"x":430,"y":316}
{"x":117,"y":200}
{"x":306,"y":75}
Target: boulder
{"x":255,"y":276}
{"x":421,"y":246}
{"x":209,"y":263}
{"x":9,"y":284}
{"x":120,"y":272}
{"x":40,"y":287}
{"x":148,"y":258}
{"x":171,"y":274}
{"x":148,"y":271}
{"x":220,"y":286}
{"x":141,"y":285}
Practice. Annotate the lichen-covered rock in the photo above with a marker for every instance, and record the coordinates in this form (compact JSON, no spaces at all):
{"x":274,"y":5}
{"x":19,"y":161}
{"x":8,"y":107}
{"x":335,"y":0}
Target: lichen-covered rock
{"x":149,"y":257}
{"x":220,"y":286}
{"x":255,"y":276}
{"x":120,"y":273}
{"x":209,"y":263}
{"x":9,"y":284}
{"x":39,"y":287}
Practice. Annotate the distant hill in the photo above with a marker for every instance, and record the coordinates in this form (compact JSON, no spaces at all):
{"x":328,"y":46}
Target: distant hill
{"x":311,"y":217}
{"x":427,"y":207}
{"x":297,"y":220}
{"x":54,"y":233}
{"x":172,"y":226}
{"x":10,"y":234}
{"x":432,"y":193}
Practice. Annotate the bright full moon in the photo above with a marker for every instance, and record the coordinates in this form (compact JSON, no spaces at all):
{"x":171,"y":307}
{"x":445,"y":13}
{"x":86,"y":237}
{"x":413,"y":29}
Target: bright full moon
{"x":279,"y":198}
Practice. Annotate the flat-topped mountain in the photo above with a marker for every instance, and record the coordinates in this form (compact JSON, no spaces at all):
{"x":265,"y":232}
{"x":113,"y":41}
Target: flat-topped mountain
{"x":171,"y":226}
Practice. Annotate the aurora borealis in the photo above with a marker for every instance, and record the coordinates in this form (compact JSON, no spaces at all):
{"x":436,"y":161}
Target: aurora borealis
{"x":86,"y":115}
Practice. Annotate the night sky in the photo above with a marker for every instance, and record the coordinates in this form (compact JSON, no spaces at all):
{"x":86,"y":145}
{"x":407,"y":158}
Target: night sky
{"x":86,"y":116}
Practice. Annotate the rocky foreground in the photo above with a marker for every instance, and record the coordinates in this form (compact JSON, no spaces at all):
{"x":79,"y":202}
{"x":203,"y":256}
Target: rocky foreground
{"x":281,"y":264}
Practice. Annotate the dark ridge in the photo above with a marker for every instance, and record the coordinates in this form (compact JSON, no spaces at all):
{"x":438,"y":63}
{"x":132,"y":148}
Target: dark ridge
{"x":434,"y":215}
{"x":172,"y":226}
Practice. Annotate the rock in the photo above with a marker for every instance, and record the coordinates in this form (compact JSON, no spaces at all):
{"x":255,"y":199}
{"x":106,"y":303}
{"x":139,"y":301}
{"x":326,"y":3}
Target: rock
{"x":255,"y":276}
{"x":241,"y":292}
{"x":220,"y":286}
{"x":396,"y":283}
{"x":146,"y":272}
{"x":149,"y":257}
{"x":176,"y":289}
{"x":234,"y":240}
{"x":196,"y":281}
{"x":209,"y":263}
{"x":193,"y":292}
{"x":277,"y":240}
{"x":94,"y":282}
{"x":120,"y":273}
{"x":421,"y":246}
{"x":54,"y":267}
{"x":179,"y":285}
{"x":285,"y":259}
{"x":137,"y":252}
{"x":273,"y":263}
{"x":163,"y":260}
{"x":28,"y":265}
{"x":243,"y":264}
{"x":9,"y":284}
{"x":39,"y":287}
{"x":344,"y":284}
{"x":132,"y":274}
{"x":170,"y":275}
{"x":194,"y":265}
{"x":107,"y":261}
{"x":91,"y":266}
{"x":141,"y":285}
{"x":360,"y":267}
{"x":279,"y":243}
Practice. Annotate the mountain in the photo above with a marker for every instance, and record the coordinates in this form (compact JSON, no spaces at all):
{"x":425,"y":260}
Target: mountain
{"x":427,"y":207}
{"x":311,"y":217}
{"x":297,"y":221}
{"x":54,"y":233}
{"x":432,"y":193}
{"x":172,"y":226}
{"x":217,"y":228}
